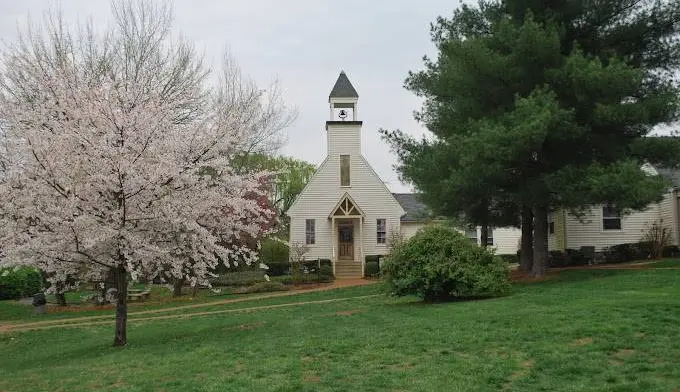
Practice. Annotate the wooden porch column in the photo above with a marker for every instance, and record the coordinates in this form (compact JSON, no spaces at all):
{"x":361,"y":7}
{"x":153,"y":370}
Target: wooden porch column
{"x":361,"y":245}
{"x":333,"y":241}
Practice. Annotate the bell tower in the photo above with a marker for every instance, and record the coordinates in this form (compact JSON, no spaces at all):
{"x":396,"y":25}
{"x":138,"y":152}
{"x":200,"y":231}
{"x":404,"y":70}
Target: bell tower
{"x":343,"y":127}
{"x":343,"y":100}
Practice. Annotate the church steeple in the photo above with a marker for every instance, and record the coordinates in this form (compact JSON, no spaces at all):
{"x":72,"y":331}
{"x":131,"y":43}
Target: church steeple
{"x":343,"y":88}
{"x":343,"y":128}
{"x":343,"y":100}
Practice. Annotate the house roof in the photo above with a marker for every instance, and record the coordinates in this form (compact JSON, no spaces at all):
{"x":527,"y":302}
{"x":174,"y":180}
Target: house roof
{"x":343,"y":88}
{"x":415,"y":210}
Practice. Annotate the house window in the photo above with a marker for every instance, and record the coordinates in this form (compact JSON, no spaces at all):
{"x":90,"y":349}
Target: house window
{"x":611,"y":218}
{"x":310,"y":232}
{"x":471,"y":234}
{"x":551,"y":227}
{"x":489,"y":237}
{"x":344,"y":170}
{"x":382,"y":231}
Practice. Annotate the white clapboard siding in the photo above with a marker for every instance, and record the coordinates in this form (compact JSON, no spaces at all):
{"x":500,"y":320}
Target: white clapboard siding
{"x":506,"y":240}
{"x":590,"y":232}
{"x":409,"y":229}
{"x":323,"y":192}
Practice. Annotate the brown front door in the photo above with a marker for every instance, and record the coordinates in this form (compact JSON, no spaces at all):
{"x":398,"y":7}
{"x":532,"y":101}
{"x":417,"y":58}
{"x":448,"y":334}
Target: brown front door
{"x":346,"y":241}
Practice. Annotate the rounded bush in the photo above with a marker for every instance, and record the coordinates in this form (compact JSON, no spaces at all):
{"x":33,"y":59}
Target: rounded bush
{"x":372,"y":268}
{"x":439,"y":263}
{"x":326,"y":273}
{"x":19,"y":282}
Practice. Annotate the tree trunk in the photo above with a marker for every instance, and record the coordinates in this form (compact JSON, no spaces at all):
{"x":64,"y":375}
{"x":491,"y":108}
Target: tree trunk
{"x":526,"y":252}
{"x":194,"y":291}
{"x":540,"y":240}
{"x":177,"y":287}
{"x":484,"y":233}
{"x":120,"y":278}
{"x":61,"y":299}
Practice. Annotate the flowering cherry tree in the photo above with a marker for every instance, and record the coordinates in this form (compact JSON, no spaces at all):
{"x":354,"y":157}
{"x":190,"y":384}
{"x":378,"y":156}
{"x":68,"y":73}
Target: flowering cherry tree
{"x":117,"y":154}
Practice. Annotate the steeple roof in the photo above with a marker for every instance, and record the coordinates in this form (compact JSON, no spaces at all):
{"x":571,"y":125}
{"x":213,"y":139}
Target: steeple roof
{"x":343,"y":88}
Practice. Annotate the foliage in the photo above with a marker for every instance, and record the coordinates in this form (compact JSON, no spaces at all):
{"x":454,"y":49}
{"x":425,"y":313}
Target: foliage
{"x":19,"y":282}
{"x":326,"y":273}
{"x":240,"y":278}
{"x":372,"y":268}
{"x":278,"y":268}
{"x":659,"y":236}
{"x":263,"y":287}
{"x":510,"y":259}
{"x":544,"y":105}
{"x":671,"y":251}
{"x":109,"y":170}
{"x":372,"y":258}
{"x":290,"y":177}
{"x":441,"y":263}
{"x":273,"y":251}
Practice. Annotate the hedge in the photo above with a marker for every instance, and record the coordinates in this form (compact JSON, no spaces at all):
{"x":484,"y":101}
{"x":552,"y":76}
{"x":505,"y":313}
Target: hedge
{"x":19,"y":282}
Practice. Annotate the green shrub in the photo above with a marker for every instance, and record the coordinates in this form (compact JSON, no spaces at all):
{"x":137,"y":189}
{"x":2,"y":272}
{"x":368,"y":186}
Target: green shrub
{"x":326,"y":262}
{"x":510,"y":259}
{"x":372,"y":258}
{"x":671,"y":251}
{"x":275,"y":254}
{"x":326,"y":273}
{"x":19,"y":282}
{"x":372,"y":268}
{"x":440,"y":263}
{"x":278,"y":268}
{"x":241,"y":278}
{"x":262,"y":287}
{"x":283,"y":279}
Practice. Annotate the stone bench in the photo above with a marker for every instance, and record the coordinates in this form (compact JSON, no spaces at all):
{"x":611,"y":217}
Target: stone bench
{"x":143,"y":295}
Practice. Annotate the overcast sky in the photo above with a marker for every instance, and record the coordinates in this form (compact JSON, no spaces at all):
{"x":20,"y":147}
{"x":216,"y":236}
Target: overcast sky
{"x":303,"y":44}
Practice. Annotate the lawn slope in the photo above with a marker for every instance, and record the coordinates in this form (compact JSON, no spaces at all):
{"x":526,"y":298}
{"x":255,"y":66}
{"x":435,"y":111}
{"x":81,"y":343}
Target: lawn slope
{"x":580,"y":331}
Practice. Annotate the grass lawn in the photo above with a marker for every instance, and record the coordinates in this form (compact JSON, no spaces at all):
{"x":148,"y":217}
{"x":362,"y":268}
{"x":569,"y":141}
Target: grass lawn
{"x":668,"y":263}
{"x":595,"y":330}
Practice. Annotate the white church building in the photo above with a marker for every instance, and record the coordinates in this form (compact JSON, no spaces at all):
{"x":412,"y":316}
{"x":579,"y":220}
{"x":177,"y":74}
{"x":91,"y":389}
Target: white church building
{"x":345,"y":212}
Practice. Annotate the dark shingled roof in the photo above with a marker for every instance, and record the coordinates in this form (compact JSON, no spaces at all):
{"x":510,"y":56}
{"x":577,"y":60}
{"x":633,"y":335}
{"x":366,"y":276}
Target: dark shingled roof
{"x":673,"y":175}
{"x":415,"y":209}
{"x":343,"y":88}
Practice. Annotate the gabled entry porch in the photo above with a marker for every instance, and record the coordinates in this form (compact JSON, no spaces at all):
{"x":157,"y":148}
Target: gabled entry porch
{"x":347,"y":230}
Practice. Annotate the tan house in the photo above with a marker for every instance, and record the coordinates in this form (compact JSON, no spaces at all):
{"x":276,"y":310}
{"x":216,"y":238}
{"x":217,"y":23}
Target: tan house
{"x":345,"y":212}
{"x":604,"y":225}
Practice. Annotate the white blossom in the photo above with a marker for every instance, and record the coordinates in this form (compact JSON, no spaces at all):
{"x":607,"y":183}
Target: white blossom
{"x":116,"y":154}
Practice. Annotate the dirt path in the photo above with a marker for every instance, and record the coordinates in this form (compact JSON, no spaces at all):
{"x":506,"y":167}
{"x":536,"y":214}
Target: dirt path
{"x":35,"y":326}
{"x":5,"y":327}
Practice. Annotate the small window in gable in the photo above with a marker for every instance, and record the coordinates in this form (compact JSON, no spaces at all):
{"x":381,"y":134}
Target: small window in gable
{"x":310,"y":232}
{"x":382,"y":231}
{"x":611,"y":217}
{"x":344,"y":170}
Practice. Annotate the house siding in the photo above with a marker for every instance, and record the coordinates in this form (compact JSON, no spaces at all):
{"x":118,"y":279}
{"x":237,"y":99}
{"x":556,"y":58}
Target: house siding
{"x":409,"y":229}
{"x":506,"y":240}
{"x":323,"y":192}
{"x":669,"y":215}
{"x":633,"y":226}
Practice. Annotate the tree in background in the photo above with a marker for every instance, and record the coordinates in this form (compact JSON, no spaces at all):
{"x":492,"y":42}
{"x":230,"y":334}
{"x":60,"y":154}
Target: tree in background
{"x":290,"y":176}
{"x":108,"y":137}
{"x":545,"y":106}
